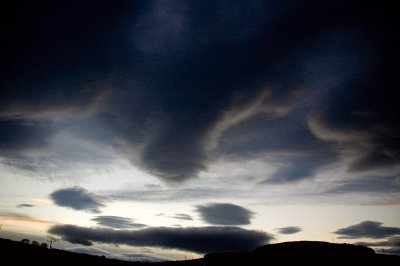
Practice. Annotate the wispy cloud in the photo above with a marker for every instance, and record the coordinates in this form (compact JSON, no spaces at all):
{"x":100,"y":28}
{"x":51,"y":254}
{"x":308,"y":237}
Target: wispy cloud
{"x":25,"y":205}
{"x":368,"y":184}
{"x":182,"y":216}
{"x":18,"y":217}
{"x":162,"y":195}
{"x":117,"y":222}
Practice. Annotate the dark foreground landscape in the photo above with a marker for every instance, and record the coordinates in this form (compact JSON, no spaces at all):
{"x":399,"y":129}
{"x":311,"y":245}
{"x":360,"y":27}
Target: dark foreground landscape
{"x":299,"y":253}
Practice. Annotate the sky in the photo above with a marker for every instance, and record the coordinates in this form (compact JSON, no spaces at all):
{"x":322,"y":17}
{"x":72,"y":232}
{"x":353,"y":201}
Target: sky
{"x":161,"y":130}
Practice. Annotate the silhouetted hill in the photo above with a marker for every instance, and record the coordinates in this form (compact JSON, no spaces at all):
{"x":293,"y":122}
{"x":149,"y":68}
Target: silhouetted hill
{"x":27,"y":254}
{"x":17,"y":253}
{"x":302,"y":252}
{"x":314,"y":248}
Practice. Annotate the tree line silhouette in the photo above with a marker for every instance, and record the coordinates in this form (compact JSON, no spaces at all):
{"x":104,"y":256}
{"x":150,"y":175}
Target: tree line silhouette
{"x":34,"y":243}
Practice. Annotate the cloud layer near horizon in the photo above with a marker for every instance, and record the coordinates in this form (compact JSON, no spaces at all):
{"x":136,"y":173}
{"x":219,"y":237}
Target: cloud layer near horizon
{"x":195,"y":239}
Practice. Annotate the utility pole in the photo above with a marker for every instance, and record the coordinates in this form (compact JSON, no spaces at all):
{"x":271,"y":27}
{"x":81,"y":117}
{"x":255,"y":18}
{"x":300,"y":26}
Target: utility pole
{"x":51,"y":240}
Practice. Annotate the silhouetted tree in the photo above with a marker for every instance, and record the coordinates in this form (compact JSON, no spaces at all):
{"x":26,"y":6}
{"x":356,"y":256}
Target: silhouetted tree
{"x":44,"y":245}
{"x":35,"y":243}
{"x":25,"y":241}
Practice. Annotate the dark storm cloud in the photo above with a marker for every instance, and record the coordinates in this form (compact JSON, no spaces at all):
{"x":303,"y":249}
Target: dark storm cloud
{"x":213,"y":119}
{"x":25,"y":205}
{"x":309,"y":43}
{"x":224,"y":214}
{"x":21,"y":136}
{"x":171,"y":83}
{"x":359,"y":115}
{"x":218,"y":98}
{"x":77,"y":198}
{"x":299,"y":153}
{"x":194,"y":239}
{"x":55,"y":56}
{"x":289,"y":230}
{"x":368,"y":229}
{"x":117,"y":222}
{"x":366,"y":148}
{"x":52,"y":71}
